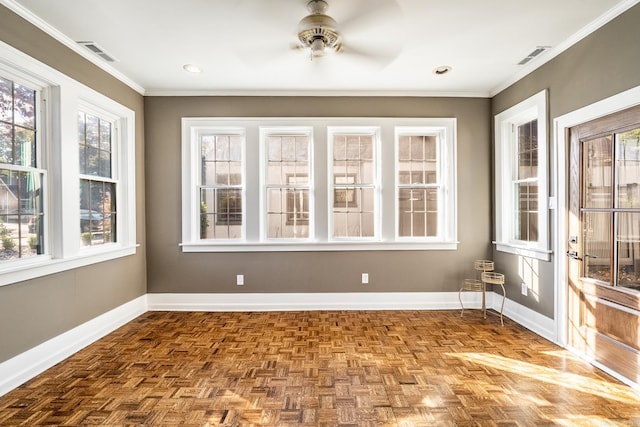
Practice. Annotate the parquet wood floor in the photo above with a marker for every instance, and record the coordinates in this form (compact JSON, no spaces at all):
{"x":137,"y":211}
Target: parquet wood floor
{"x":322,"y":368}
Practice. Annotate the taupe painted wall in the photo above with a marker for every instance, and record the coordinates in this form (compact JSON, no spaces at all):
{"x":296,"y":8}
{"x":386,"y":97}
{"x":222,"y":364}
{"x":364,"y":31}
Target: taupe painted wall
{"x":34,"y":311}
{"x":603,"y":64}
{"x":170,"y":270}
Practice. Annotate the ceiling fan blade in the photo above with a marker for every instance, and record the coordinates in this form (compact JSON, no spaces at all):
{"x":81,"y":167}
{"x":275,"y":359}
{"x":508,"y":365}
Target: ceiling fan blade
{"x":369,"y":16}
{"x":374,"y":54}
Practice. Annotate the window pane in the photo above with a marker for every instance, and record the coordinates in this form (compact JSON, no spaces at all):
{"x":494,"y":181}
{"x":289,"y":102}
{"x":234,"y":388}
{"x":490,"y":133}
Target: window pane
{"x":597,"y":245}
{"x":359,"y":164}
{"x":220,"y":213}
{"x":97,"y":212}
{"x":628,"y":169}
{"x":105,"y":135}
{"x":353,"y":213}
{"x":628,"y":241}
{"x":418,"y":212}
{"x":596,"y":165}
{"x":20,"y":214}
{"x":526,"y":212}
{"x":6,"y":100}
{"x":17,"y":124}
{"x":528,"y":150}
{"x":24,"y":106}
{"x":220,"y":165}
{"x":6,"y":143}
{"x":92,"y":131}
{"x":94,"y":146}
{"x":287,"y":213}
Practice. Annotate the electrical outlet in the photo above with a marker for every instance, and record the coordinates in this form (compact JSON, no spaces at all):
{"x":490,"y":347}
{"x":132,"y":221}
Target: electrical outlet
{"x":240,"y":279}
{"x":365,"y":278}
{"x":525,"y":289}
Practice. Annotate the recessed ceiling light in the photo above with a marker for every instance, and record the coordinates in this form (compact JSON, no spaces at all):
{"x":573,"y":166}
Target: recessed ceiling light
{"x":443,"y":69}
{"x":191,"y":68}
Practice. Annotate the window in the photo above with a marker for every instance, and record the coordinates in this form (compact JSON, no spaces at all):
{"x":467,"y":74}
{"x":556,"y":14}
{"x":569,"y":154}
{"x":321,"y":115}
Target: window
{"x":524,"y":182}
{"x":287,"y":183}
{"x":424,"y":184}
{"x":354,"y":183}
{"x":221,"y":185}
{"x":63,"y":172}
{"x":521,"y":179}
{"x":21,"y":175}
{"x":97,"y":186}
{"x":315,"y":184}
{"x":417,"y":186}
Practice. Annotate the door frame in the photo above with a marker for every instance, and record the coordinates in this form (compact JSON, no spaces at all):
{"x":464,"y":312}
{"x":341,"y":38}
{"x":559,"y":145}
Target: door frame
{"x":560,"y":150}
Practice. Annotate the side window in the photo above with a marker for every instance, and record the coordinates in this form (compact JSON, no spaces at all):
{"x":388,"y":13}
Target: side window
{"x":525,"y":181}
{"x":521,"y":179}
{"x":221,"y":187}
{"x":67,"y":172}
{"x":21,"y":175}
{"x":98,"y":198}
{"x":287,"y":184}
{"x":354,"y":184}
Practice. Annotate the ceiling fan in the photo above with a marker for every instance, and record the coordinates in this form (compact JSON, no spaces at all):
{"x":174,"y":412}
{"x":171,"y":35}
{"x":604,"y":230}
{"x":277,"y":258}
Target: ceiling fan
{"x":318,"y":32}
{"x":365,"y":32}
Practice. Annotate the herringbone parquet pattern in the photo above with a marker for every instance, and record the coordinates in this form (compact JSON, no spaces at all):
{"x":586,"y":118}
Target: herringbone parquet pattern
{"x":331,"y":368}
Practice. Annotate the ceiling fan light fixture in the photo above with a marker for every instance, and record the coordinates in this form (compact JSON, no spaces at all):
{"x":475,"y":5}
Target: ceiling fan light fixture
{"x":317,"y":47}
{"x":192,"y":68}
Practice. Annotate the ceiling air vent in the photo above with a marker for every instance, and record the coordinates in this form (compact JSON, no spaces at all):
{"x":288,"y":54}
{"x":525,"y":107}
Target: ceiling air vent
{"x":97,"y":50}
{"x":537,"y":51}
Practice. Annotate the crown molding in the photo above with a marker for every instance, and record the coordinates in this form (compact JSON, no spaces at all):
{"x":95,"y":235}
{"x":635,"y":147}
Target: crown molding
{"x":590,"y":28}
{"x":71,"y":44}
{"x":320,"y":93}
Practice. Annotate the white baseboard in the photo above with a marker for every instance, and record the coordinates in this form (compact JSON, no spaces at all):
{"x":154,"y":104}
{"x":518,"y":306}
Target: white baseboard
{"x":312,"y":301}
{"x":32,"y":362}
{"x":541,"y":325}
{"x":27,"y":365}
{"x":532,"y":320}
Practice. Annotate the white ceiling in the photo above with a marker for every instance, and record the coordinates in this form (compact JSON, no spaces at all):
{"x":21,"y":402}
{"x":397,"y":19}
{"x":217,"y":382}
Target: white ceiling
{"x":244,"y":47}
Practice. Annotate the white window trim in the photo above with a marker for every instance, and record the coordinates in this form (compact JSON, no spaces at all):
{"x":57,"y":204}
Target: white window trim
{"x":320,"y":241}
{"x":59,"y":151}
{"x":532,"y":108}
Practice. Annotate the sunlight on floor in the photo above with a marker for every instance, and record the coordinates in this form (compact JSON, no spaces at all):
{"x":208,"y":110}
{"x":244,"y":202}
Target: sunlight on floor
{"x":575,"y":382}
{"x":586,"y":421}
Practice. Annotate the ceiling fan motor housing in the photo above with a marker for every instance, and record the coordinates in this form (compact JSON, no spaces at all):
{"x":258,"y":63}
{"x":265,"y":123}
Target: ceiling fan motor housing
{"x":317,"y":30}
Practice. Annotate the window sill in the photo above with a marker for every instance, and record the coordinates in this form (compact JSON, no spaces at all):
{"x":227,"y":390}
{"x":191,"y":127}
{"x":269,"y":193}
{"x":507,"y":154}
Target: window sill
{"x":42,"y":266}
{"x":317,"y":246}
{"x":525,"y":251}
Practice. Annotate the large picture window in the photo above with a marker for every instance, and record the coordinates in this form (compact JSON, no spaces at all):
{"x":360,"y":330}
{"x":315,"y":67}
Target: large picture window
{"x":315,"y":184}
{"x":521,"y":179}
